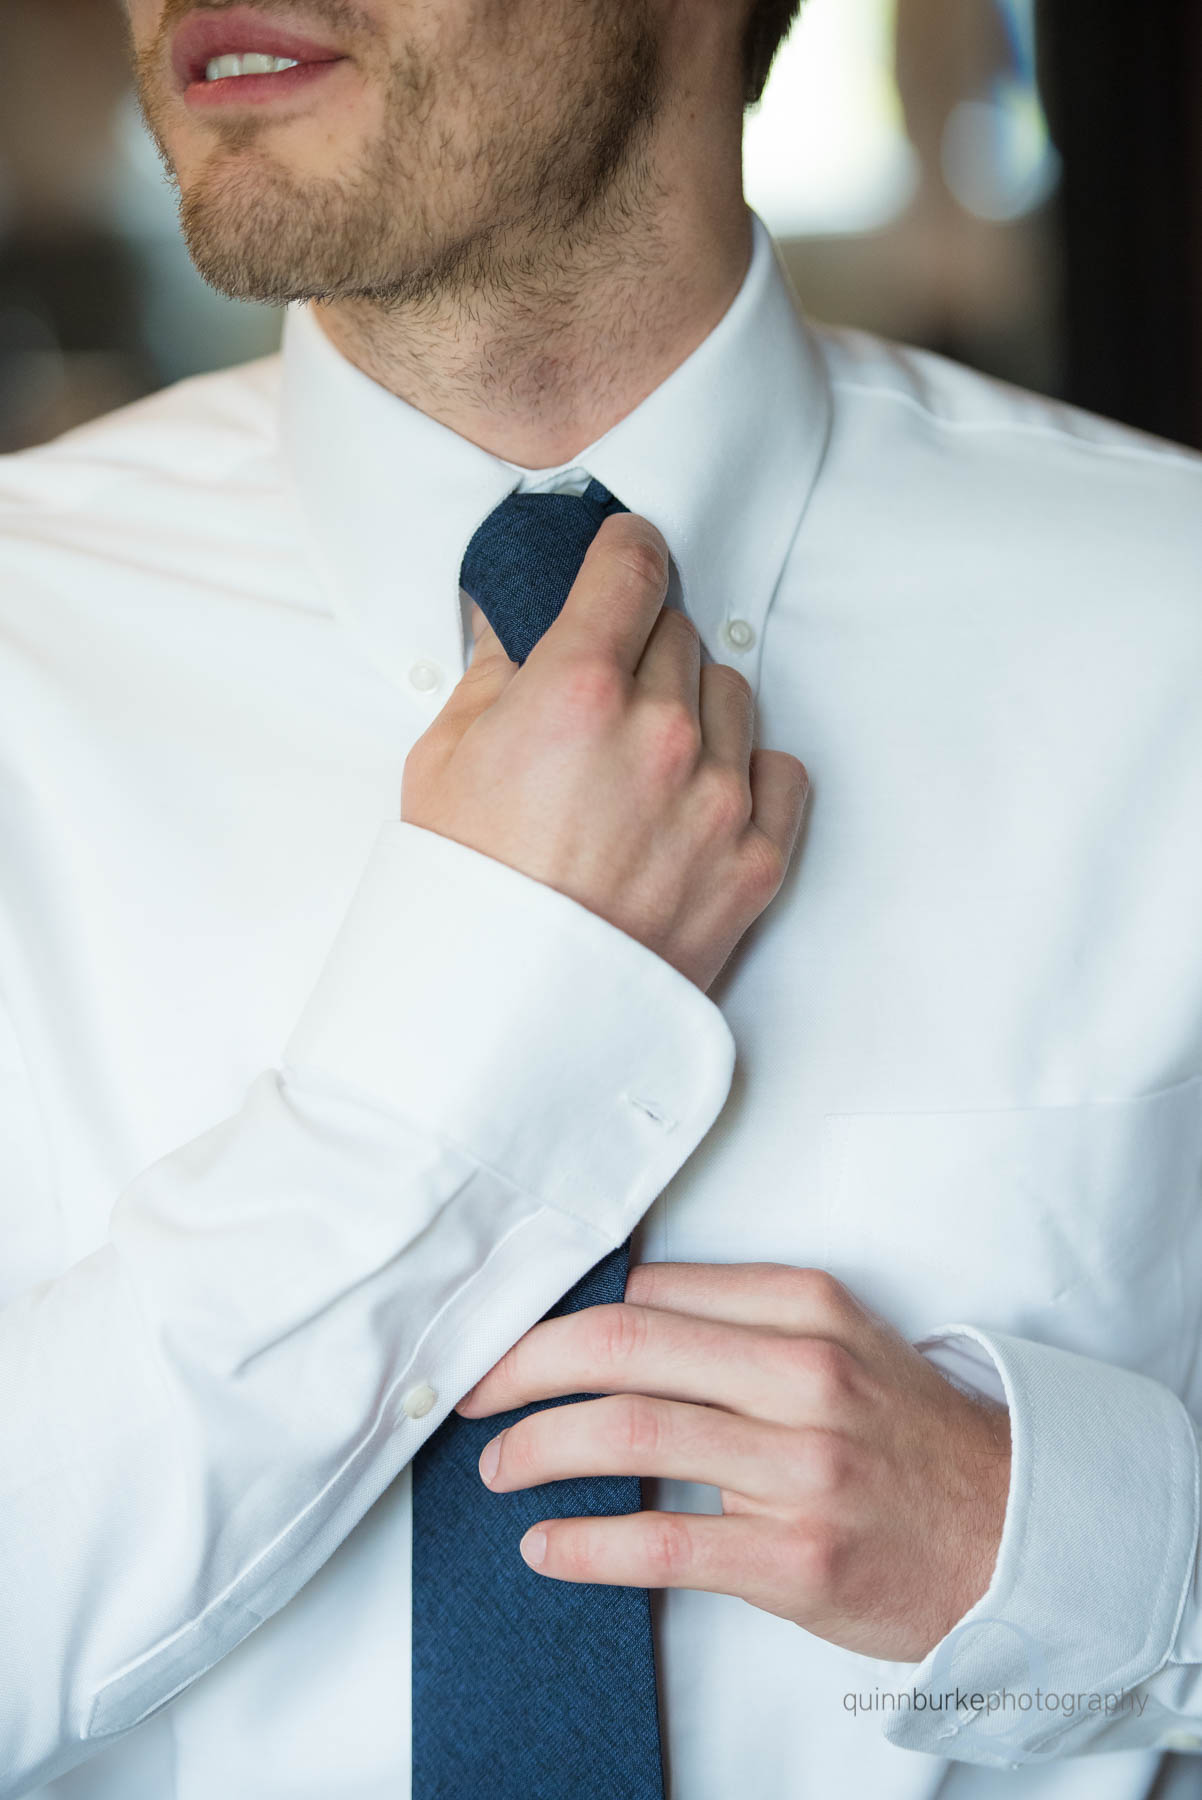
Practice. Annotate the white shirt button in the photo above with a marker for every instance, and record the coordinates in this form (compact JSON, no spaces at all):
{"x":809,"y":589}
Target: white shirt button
{"x":738,"y":634}
{"x":418,"y":1401}
{"x":425,"y":677}
{"x":1181,"y":1740}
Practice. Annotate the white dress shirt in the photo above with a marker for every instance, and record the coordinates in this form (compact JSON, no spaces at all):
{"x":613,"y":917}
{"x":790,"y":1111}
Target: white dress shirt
{"x":306,"y":1113}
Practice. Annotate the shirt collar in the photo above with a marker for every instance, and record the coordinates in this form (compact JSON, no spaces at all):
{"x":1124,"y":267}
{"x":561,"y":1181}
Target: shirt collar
{"x":721,"y":456}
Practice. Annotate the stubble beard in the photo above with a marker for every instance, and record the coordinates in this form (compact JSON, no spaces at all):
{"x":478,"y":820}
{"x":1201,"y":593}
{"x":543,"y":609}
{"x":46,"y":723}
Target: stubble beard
{"x":525,"y":191}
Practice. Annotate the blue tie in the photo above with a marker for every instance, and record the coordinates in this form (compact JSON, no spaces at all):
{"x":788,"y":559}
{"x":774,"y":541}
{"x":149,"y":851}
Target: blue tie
{"x":520,"y":566}
{"x":526,"y":1688}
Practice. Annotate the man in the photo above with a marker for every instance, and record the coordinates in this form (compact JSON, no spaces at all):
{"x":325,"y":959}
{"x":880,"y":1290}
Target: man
{"x":323,"y":1123}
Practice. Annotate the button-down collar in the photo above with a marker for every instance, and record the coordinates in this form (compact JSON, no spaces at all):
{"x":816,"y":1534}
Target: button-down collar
{"x":721,"y":456}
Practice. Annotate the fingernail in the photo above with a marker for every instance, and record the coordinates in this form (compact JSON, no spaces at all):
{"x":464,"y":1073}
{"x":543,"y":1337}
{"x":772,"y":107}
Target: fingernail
{"x":490,"y":1458}
{"x":534,"y":1546}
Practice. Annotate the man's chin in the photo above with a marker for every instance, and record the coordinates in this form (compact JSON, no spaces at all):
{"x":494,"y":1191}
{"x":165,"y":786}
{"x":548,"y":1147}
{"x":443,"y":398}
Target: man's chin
{"x":260,"y":239}
{"x":244,"y":267}
{"x":230,"y":273}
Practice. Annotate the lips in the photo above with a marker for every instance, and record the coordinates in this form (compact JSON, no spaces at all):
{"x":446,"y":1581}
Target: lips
{"x":202,"y":36}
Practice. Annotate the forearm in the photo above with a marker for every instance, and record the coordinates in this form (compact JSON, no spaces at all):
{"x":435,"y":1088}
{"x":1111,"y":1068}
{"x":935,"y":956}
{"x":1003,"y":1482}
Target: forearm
{"x":196,"y":1415}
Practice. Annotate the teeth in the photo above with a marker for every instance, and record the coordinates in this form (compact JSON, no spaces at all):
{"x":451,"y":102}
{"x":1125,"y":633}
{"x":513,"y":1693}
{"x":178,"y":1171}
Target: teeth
{"x":251,"y":63}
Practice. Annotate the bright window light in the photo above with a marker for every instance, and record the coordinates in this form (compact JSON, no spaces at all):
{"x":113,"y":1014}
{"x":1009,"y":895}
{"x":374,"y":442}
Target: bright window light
{"x":826,"y":149}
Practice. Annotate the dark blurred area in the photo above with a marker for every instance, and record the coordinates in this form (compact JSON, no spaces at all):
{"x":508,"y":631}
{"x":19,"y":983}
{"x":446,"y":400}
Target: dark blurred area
{"x":1123,"y":91}
{"x":98,"y":301}
{"x":1014,"y":183}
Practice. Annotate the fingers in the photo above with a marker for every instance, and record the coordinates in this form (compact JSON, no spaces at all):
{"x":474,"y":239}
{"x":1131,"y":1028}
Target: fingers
{"x":749,"y":1557}
{"x":616,"y":598}
{"x":671,"y":664}
{"x":716,"y":699}
{"x":780,"y":787}
{"x":624,"y":1349}
{"x":632,"y":1434}
{"x":487,"y":675}
{"x":727,"y":711}
{"x":772,"y":1296}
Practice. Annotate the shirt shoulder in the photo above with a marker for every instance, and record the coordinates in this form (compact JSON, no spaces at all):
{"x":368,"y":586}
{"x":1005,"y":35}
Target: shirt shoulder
{"x":988,"y":490}
{"x":951,"y":400}
{"x":205,"y":432}
{"x":168,"y":503}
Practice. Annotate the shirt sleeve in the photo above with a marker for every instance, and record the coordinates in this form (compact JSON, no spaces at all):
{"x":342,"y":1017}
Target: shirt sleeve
{"x":487,"y":1087}
{"x":1089,"y":1637}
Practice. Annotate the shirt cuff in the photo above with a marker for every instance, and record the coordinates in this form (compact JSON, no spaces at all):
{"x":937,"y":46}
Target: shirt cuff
{"x":1094,"y":1564}
{"x":496,"y":1012}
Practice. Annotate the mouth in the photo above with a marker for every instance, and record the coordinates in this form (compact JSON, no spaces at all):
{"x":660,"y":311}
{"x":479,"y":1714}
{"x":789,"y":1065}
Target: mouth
{"x":242,"y":57}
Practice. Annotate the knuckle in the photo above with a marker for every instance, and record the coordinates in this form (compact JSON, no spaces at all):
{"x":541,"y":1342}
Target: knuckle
{"x":779,"y":773}
{"x":636,"y":1424}
{"x":671,"y":736}
{"x":621,"y":1332}
{"x":668,"y":1547}
{"x":723,"y":675}
{"x":821,"y":1296}
{"x":591,"y":689}
{"x":726,"y":800}
{"x":789,"y":765}
{"x":827,"y":1462}
{"x":638,"y":556}
{"x":672,"y":622}
{"x":828,"y":1371}
{"x":764,"y":866}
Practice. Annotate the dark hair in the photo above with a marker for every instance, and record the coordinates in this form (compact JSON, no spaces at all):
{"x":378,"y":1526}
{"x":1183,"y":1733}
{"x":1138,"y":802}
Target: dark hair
{"x":767,"y":29}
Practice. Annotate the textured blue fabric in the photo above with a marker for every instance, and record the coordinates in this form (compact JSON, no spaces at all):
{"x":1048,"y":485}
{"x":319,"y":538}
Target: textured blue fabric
{"x":520,"y":565}
{"x":525,"y":1688}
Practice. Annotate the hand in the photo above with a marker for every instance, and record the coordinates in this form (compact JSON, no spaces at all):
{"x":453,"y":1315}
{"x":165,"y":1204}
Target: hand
{"x":612,"y":767}
{"x":862,"y":1494}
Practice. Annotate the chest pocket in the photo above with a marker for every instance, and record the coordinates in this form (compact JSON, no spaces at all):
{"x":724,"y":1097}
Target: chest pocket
{"x":1073,"y":1225}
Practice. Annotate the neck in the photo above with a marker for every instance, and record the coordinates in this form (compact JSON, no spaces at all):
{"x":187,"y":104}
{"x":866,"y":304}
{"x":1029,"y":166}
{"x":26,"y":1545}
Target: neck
{"x":574,"y":336}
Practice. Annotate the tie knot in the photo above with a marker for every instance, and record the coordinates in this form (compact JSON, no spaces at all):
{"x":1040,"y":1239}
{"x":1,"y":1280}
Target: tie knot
{"x":521,"y":563}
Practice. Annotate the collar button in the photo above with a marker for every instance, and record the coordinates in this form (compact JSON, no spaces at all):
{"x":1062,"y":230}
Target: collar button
{"x":425,"y":677}
{"x":737,"y":634}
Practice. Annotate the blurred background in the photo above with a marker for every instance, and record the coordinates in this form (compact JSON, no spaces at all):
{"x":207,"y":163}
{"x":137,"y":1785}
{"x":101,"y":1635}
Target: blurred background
{"x":1014,"y":183}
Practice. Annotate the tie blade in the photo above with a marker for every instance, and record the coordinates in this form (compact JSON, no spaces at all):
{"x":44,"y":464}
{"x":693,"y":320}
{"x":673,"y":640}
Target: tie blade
{"x":522,"y":561}
{"x":523,"y":1687}
{"x":526,"y":1688}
